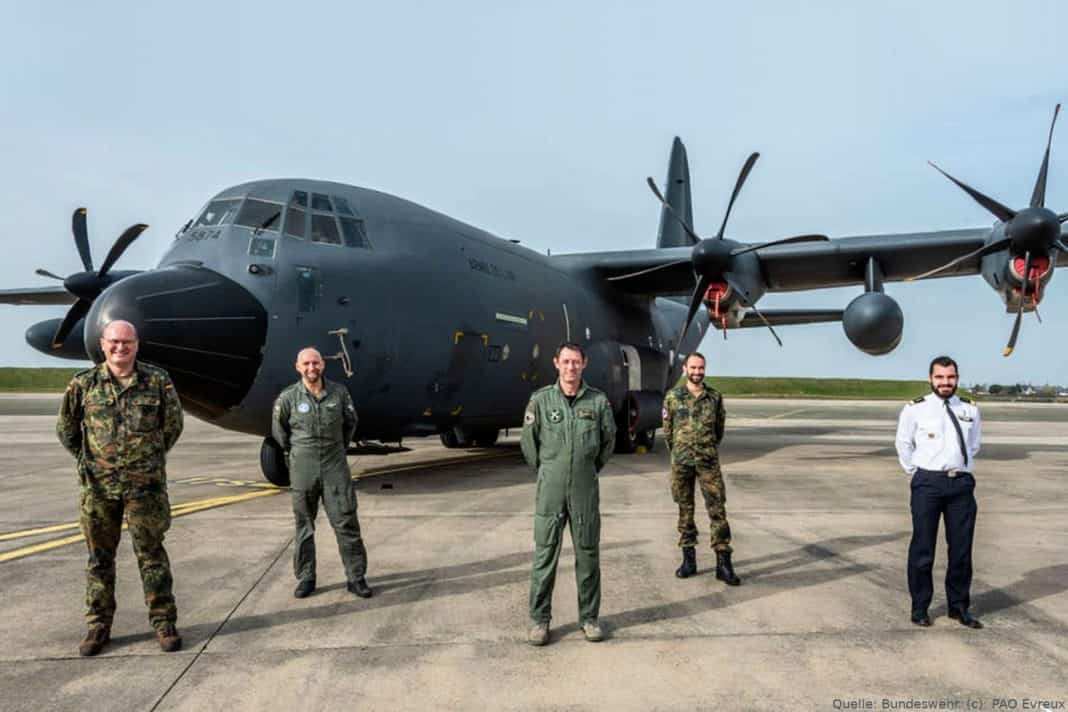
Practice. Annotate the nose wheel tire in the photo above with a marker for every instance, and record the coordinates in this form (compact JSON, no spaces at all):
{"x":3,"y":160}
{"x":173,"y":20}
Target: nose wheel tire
{"x":273,"y":463}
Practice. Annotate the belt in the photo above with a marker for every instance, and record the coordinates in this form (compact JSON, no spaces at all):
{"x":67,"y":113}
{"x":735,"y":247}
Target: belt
{"x":948,"y":473}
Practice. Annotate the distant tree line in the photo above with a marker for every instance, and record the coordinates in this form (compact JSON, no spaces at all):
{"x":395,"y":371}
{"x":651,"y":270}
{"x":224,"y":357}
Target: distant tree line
{"x":1026,"y":390}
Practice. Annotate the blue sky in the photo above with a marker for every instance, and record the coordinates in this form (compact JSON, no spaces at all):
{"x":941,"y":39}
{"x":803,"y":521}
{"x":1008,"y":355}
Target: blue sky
{"x":539,"y":121}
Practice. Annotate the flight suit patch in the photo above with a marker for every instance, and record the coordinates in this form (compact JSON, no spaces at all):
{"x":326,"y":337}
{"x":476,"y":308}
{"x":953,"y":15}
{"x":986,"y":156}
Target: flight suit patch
{"x":555,"y":415}
{"x":303,"y":408}
{"x":584,"y":413}
{"x":528,"y":418}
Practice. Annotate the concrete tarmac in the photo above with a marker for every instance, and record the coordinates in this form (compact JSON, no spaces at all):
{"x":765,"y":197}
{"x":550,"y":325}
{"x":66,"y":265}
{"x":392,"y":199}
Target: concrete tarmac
{"x":818,"y":507}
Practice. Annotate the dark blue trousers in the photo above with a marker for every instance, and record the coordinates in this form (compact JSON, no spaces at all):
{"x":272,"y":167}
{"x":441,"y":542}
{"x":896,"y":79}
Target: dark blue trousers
{"x":935,"y":495}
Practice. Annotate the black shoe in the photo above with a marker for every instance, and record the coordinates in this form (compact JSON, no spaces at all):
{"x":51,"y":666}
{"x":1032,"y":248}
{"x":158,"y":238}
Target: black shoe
{"x":921,"y":618}
{"x":689,"y":562}
{"x":965,"y":618}
{"x":304,"y":588}
{"x":360,"y":588}
{"x":724,"y":569}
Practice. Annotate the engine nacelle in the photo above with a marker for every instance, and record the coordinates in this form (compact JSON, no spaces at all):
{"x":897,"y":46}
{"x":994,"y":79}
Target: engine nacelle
{"x":39,"y":336}
{"x":873,"y":322}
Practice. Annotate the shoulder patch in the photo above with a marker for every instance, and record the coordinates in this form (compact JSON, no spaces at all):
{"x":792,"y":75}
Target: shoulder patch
{"x":528,"y":418}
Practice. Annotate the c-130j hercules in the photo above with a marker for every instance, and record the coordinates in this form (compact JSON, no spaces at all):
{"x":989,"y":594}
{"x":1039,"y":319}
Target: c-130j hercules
{"x":437,"y":327}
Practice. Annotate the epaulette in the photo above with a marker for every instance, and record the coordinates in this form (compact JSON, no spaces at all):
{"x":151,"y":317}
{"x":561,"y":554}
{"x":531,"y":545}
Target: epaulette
{"x":919,"y":399}
{"x":965,"y":400}
{"x":85,"y":372}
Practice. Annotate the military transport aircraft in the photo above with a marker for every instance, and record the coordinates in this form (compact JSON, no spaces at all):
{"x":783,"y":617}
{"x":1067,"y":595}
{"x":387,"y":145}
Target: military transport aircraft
{"x":437,"y":327}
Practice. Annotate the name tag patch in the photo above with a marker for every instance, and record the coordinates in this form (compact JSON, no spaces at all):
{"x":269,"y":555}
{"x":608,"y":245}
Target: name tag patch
{"x":584,"y":413}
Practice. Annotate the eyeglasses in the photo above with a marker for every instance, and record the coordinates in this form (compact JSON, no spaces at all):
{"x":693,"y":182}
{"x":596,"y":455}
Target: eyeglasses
{"x":119,"y":342}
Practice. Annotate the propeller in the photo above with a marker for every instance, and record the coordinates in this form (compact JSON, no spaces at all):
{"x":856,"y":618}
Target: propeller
{"x":1033,"y":232}
{"x":87,"y":285}
{"x":712,"y":259}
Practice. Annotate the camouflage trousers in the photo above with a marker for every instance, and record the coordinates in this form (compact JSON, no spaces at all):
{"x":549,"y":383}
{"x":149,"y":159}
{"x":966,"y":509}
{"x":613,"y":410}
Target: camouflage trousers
{"x":148,"y":517}
{"x":711,"y":481}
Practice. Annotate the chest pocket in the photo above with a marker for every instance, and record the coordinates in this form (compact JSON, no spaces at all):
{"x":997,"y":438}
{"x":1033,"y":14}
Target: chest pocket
{"x":928,"y":431}
{"x":144,"y":413}
{"x":587,"y":431}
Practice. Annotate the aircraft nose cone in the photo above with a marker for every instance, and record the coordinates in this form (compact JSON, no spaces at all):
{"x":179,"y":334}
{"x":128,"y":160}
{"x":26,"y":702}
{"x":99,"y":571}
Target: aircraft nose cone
{"x":1034,"y":230}
{"x":204,"y":328}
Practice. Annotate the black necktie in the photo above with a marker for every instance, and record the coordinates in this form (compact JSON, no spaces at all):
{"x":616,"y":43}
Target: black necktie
{"x":960,"y":435}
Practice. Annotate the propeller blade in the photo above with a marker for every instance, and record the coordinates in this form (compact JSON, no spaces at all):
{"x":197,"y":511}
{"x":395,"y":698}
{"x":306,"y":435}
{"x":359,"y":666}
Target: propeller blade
{"x":737,"y":187}
{"x":739,"y":291}
{"x":981,"y":252}
{"x":78,"y":310}
{"x":666,"y":204}
{"x":646,"y":271}
{"x":124,"y":241}
{"x":1038,"y":197}
{"x":46,"y":273}
{"x":81,"y":238}
{"x":1059,"y":244}
{"x":1062,"y":217}
{"x":1019,"y":312}
{"x":695,"y":304}
{"x":784,"y":241}
{"x":997,"y":209}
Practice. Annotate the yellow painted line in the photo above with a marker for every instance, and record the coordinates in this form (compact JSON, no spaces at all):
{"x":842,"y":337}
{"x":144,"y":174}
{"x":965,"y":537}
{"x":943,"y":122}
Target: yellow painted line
{"x":34,"y":532}
{"x":38,"y":548}
{"x":177,"y":510}
{"x":199,"y":505}
{"x":791,"y":412}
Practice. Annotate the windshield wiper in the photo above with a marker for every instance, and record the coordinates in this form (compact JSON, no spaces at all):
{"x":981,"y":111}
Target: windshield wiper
{"x":267,"y":223}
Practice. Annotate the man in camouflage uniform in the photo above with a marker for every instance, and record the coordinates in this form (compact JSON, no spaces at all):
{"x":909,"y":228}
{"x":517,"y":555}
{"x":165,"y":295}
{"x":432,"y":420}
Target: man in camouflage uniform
{"x":314,"y":421}
{"x":119,"y":419}
{"x":568,"y":435}
{"x":693,"y":428}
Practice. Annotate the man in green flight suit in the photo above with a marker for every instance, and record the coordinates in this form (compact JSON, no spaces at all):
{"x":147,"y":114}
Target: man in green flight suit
{"x":119,"y":419}
{"x":693,"y":428}
{"x":314,"y":421}
{"x":568,"y":435}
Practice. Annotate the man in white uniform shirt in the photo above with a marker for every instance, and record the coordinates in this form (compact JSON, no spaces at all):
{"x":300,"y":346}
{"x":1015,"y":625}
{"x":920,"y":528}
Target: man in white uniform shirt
{"x":937,"y":441}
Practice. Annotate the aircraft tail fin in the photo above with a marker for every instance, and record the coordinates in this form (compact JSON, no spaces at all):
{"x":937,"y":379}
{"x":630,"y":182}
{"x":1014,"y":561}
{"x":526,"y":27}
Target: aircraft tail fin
{"x":677,"y":194}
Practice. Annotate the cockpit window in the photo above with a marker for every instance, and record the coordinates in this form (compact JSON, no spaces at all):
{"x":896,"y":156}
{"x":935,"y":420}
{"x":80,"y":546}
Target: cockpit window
{"x":218,"y":212}
{"x":342,"y":206}
{"x":324,"y":229}
{"x":355,"y":235}
{"x":321,"y":202}
{"x":260,"y":215}
{"x":299,"y":198}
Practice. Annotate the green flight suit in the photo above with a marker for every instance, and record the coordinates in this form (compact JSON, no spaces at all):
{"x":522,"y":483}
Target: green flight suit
{"x":567,"y":444}
{"x":315,"y":433}
{"x":120,"y":436}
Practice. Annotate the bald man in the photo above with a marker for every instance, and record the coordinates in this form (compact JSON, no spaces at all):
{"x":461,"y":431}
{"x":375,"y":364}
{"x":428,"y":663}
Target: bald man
{"x":119,"y":419}
{"x":314,"y":421}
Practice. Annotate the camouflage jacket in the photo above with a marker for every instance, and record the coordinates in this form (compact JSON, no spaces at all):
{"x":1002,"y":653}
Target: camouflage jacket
{"x":120,"y":436}
{"x":693,"y":427}
{"x":315,"y":432}
{"x":564,"y":439}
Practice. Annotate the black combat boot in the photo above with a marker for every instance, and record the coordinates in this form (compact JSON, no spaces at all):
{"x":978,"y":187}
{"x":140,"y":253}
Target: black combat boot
{"x":689,"y":563}
{"x":724,"y":569}
{"x":360,"y":588}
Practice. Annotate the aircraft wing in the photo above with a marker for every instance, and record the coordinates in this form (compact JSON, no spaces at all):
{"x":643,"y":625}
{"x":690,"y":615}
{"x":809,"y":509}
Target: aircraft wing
{"x":784,"y":268}
{"x":37,"y":295}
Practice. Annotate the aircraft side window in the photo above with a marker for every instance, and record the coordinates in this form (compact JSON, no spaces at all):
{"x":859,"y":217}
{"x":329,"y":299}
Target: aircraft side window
{"x":342,"y":206}
{"x":355,"y":234}
{"x":261,"y":247}
{"x":295,"y":222}
{"x":260,"y":215}
{"x":324,"y":229}
{"x":307,"y":289}
{"x":321,"y":202}
{"x":218,"y":212}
